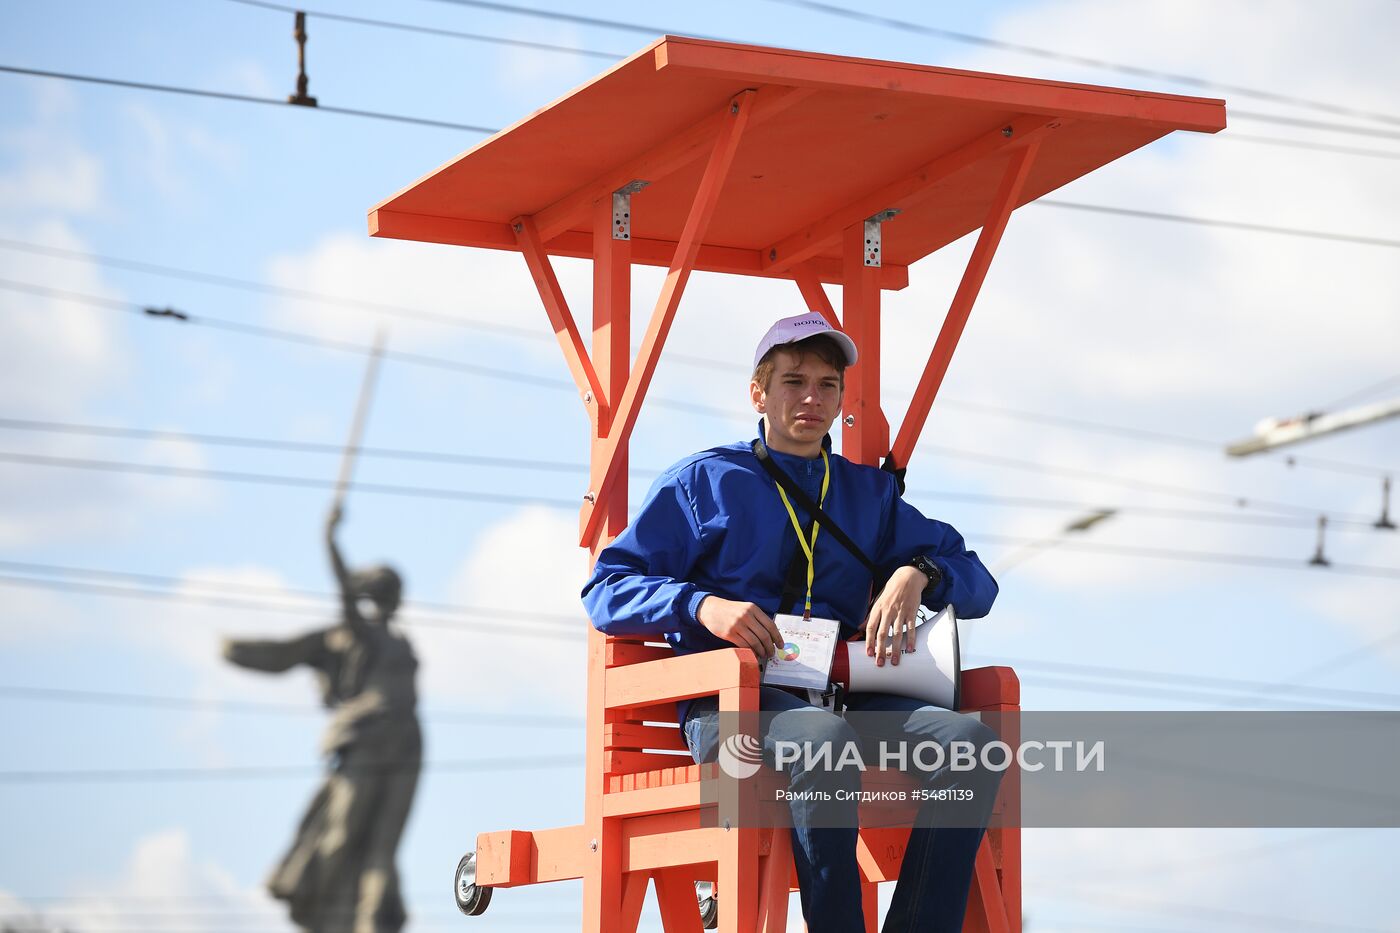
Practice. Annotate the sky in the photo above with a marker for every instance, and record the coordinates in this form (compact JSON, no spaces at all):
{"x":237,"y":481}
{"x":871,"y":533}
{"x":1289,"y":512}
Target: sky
{"x":1107,"y":363}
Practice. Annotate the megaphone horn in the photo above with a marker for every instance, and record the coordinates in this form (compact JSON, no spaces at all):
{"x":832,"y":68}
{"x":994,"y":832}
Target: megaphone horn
{"x":931,"y":673}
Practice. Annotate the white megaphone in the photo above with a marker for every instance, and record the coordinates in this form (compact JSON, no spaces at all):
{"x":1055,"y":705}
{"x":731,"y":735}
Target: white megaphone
{"x":932,"y":672}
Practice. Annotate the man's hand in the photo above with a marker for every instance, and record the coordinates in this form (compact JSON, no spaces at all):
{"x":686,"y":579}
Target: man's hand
{"x":742,"y":624}
{"x":893,"y":614}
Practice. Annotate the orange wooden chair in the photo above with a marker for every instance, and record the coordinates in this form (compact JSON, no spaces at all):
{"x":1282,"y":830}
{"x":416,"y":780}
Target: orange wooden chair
{"x":815,"y":168}
{"x":658,"y":830}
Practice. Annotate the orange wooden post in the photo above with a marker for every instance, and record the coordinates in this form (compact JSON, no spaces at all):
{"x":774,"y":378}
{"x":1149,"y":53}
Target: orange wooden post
{"x":865,"y":433}
{"x":612,"y":351}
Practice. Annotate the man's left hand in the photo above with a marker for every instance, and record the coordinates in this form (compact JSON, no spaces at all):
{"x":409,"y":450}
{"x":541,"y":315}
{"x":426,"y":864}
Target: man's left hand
{"x":893,"y":615}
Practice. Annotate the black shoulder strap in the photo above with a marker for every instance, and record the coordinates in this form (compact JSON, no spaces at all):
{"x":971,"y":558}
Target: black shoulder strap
{"x":801,"y":498}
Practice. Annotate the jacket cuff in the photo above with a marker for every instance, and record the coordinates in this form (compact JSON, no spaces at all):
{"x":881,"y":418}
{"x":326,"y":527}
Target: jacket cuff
{"x":692,"y":606}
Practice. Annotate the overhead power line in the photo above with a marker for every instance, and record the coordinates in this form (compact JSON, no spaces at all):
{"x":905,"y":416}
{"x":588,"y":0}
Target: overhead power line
{"x":225,"y":773}
{"x":266,"y":479}
{"x":1205,"y":557}
{"x":165,"y":586}
{"x":313,"y":340}
{"x":301,"y":294}
{"x":529,"y":629}
{"x":1226,"y":224}
{"x":1035,"y":417}
{"x":224,"y":705}
{"x":553,"y":466}
{"x":245,"y":98}
{"x":511,"y":375}
{"x":431,"y":30}
{"x":1088,"y":61}
{"x":487,"y":130}
{"x":321,"y":597}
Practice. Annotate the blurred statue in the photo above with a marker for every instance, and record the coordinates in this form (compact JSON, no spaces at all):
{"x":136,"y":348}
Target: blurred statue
{"x":339,"y":876}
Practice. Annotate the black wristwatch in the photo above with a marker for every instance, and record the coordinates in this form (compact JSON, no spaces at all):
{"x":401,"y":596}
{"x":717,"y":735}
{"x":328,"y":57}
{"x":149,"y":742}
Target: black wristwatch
{"x":929,"y":569}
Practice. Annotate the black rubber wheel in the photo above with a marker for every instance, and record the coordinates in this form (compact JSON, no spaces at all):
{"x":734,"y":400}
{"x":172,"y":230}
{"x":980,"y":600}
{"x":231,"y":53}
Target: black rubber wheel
{"x":471,"y":899}
{"x":709,"y":907}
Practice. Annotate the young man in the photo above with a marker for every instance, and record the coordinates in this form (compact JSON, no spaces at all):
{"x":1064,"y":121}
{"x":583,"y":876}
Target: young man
{"x":714,"y":554}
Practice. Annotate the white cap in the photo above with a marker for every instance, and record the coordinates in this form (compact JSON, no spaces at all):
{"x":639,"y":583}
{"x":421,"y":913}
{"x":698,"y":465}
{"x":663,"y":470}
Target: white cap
{"x":800,"y":327}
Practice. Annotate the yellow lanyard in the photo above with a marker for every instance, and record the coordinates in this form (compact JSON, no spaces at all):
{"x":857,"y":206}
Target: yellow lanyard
{"x":809,"y":547}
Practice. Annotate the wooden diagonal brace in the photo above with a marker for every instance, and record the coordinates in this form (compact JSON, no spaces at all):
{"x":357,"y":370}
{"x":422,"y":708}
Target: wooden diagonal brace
{"x":626,"y":409}
{"x":555,"y":305}
{"x":1018,"y":167}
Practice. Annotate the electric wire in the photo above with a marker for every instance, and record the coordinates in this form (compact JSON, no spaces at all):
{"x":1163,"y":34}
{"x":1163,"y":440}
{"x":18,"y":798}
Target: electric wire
{"x":573,"y":625}
{"x":1202,"y":680}
{"x":486,"y":130}
{"x":108,"y":698}
{"x":267,"y":479}
{"x":251,"y":285}
{"x":1205,"y":557}
{"x":658,"y":401}
{"x":617,"y":56}
{"x":313,"y":340}
{"x":432,"y":30}
{"x":1233,"y":136}
{"x":1363,"y":392}
{"x":1221,"y":224}
{"x":244,"y":98}
{"x":529,"y":629}
{"x":243,"y":772}
{"x":681,"y":358}
{"x":465,"y":495}
{"x":321,"y":597}
{"x":1089,"y":61}
{"x":520,"y":463}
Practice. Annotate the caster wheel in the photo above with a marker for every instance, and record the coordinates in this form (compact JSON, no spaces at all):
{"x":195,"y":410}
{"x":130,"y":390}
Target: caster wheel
{"x":709,"y":907}
{"x":471,"y":900}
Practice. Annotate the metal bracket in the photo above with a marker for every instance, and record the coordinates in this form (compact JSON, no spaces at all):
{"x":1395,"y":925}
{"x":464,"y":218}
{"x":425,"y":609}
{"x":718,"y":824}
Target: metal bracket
{"x":622,"y":209}
{"x":872,"y":235}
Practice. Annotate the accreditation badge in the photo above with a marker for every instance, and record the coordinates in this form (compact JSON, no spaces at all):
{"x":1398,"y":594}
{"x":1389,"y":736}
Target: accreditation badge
{"x":804,"y":661}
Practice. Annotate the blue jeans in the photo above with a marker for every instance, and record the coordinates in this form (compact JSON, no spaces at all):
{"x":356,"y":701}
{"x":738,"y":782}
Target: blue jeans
{"x":931,"y":896}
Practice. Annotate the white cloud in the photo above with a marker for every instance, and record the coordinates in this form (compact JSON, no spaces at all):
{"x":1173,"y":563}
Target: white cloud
{"x":484,"y":285}
{"x":49,"y":168}
{"x":165,"y":152}
{"x":529,"y":562}
{"x":164,"y":870}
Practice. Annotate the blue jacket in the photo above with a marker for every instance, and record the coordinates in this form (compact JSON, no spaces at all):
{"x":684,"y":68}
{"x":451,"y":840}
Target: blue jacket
{"x":714,"y":524}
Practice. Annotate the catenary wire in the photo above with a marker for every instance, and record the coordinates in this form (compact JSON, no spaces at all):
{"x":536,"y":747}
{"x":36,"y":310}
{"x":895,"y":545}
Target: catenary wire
{"x":1363,"y":392}
{"x":531,"y":629}
{"x":431,"y":30}
{"x":1053,"y":55}
{"x":244,"y":98}
{"x":1222,"y":224}
{"x":319,"y":596}
{"x":596,"y":53}
{"x":554,"y":466}
{"x":1082,"y":681}
{"x":680,"y":358}
{"x":344,"y":346}
{"x":511,"y":375}
{"x":243,"y":772}
{"x":345,"y":111}
{"x":572,"y":623}
{"x":464,"y":495}
{"x":226,"y":705}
